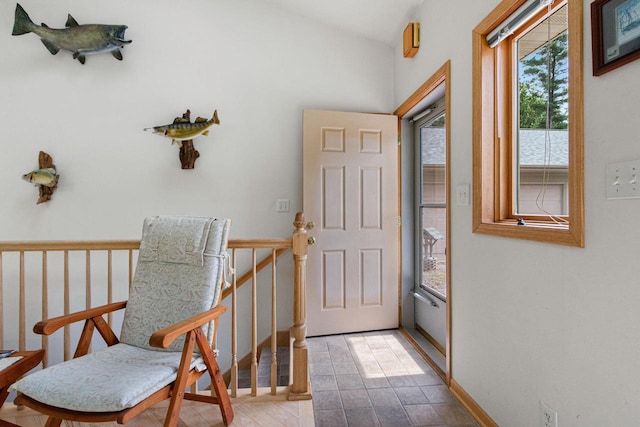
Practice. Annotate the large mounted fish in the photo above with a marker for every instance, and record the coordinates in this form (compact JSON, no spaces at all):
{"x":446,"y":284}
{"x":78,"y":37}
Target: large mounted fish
{"x":184,"y":131}
{"x":81,"y":40}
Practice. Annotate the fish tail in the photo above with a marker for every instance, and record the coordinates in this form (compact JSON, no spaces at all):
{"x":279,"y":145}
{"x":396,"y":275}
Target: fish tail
{"x":215,"y":117}
{"x":22,"y":24}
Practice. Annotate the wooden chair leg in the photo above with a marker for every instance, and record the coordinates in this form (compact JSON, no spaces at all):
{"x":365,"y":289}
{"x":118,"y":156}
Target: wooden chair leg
{"x":217,"y":380}
{"x":4,"y":393}
{"x":179,"y":386}
{"x":220,"y":388}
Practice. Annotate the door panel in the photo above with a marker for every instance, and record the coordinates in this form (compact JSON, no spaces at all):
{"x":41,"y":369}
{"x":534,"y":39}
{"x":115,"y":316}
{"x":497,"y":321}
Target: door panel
{"x":333,"y":289}
{"x":350,"y":189}
{"x":431,"y":290}
{"x":333,"y":190}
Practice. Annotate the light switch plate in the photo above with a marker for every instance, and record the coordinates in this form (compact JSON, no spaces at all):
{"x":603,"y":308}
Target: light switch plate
{"x":282,"y":205}
{"x":462,"y":194}
{"x":623,"y":180}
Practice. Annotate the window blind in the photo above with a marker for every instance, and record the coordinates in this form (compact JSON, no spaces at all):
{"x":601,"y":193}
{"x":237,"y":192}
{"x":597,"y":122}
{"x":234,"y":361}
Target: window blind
{"x":517,"y":18}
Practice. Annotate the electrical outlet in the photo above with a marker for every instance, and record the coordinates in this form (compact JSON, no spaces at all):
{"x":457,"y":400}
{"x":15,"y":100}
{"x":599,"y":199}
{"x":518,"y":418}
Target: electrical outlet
{"x":548,"y":417}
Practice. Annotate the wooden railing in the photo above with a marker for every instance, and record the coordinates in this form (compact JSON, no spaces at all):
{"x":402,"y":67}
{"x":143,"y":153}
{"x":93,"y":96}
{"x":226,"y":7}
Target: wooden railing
{"x":28,"y":268}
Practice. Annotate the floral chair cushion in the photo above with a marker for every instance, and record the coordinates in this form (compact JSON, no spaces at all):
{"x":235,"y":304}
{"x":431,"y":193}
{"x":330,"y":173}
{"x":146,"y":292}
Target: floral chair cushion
{"x":179,"y":274}
{"x":112,"y":379}
{"x":175,"y":240}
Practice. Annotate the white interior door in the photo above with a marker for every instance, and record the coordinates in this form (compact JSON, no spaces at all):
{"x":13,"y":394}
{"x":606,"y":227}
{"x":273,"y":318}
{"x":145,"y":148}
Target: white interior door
{"x":350,"y":192}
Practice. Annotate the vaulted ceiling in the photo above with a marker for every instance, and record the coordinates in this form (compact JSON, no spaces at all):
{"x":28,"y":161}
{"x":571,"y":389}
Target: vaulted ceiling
{"x":381,"y":20}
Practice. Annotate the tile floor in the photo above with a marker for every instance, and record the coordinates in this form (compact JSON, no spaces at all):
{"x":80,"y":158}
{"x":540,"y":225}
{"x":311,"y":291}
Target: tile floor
{"x":378,"y":379}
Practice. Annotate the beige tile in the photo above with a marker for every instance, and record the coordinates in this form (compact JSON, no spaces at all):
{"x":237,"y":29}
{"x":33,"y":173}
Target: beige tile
{"x":383,"y":397}
{"x":362,"y":417}
{"x":331,"y":418}
{"x":454,"y":413}
{"x":329,"y":399}
{"x":349,"y":382}
{"x":376,"y":382}
{"x":392,"y":416}
{"x":424,"y":415}
{"x":345,"y":368}
{"x":438,"y":394}
{"x":410,"y":395}
{"x":352,"y":399}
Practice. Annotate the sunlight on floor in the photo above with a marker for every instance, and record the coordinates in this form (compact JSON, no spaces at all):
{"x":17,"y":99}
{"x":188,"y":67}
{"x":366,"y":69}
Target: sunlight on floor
{"x":378,"y":379}
{"x":374,"y":359}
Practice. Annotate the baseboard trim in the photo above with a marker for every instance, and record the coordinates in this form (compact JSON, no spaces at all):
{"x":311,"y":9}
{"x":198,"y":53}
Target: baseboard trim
{"x":442,"y":374}
{"x":472,"y":406}
{"x":463,"y":397}
{"x":432,"y":340}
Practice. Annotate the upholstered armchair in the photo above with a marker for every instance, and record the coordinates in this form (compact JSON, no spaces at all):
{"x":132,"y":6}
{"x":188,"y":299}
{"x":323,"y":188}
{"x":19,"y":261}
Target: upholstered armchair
{"x":165,"y":343}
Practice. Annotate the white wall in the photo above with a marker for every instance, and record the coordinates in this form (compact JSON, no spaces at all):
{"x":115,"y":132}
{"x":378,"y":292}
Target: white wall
{"x":258,"y":65}
{"x":535,"y":321}
{"x":531,"y":321}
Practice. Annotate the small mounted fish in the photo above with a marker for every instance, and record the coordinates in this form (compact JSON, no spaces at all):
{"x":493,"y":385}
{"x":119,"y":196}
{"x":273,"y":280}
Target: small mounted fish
{"x":45,"y":176}
{"x":46,"y":180}
{"x":183,"y":131}
{"x":81,"y":40}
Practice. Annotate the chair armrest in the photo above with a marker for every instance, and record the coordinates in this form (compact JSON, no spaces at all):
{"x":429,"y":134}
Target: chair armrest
{"x":164,"y":337}
{"x":49,"y":326}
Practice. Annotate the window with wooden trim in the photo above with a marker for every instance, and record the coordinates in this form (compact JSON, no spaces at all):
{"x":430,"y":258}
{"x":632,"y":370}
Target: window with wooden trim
{"x":528,"y":122}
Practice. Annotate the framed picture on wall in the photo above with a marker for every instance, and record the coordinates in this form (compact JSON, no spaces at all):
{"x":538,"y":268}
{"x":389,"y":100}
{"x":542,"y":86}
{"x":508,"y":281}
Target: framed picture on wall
{"x":615,"y":34}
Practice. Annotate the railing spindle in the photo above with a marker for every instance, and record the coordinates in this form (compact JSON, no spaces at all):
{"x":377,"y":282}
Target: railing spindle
{"x":254,"y":326}
{"x":88,"y":279}
{"x":110,"y":284}
{"x":234,"y":330}
{"x":274,"y":330}
{"x":130,"y":268}
{"x":45,"y":306}
{"x":22,"y":306}
{"x":67,"y":329}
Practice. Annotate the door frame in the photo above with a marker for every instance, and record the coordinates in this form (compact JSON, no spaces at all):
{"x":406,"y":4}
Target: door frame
{"x":442,"y":75}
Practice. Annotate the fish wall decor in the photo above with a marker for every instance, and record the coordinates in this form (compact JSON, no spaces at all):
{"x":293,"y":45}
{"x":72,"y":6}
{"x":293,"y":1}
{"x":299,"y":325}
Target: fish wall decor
{"x":182,"y":132}
{"x":81,"y":40}
{"x":45,"y":178}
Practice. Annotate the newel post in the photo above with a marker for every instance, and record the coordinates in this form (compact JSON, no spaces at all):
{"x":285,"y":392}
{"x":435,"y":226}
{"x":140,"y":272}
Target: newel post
{"x":300,"y":388}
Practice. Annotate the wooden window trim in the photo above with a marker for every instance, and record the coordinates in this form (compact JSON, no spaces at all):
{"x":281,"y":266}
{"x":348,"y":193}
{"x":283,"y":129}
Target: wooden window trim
{"x":491,"y":150}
